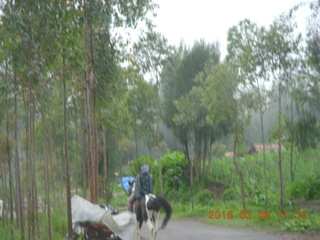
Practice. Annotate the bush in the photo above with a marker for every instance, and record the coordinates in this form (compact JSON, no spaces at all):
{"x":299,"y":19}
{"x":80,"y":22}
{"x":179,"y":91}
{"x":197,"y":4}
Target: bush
{"x":204,"y":197}
{"x":305,"y":190}
{"x":231,"y":194}
{"x":314,"y":188}
{"x":296,"y":225}
{"x":298,"y":190}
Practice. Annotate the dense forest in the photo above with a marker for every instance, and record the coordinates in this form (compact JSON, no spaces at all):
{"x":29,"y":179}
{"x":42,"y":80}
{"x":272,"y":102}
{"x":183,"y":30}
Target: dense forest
{"x":89,"y":87}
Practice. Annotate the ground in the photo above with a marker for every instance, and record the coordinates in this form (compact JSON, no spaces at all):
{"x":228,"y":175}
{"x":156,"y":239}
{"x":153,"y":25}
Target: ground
{"x":192,"y":230}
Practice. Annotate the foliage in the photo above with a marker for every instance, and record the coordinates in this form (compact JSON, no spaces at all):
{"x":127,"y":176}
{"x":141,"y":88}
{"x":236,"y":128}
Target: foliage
{"x":178,"y":80}
{"x":174,"y":166}
{"x":204,"y":197}
{"x":218,"y":149}
{"x":298,"y":190}
{"x":306,"y":190}
{"x":232,"y":193}
{"x":296,"y":225}
{"x":137,"y":163}
{"x":314,"y":188}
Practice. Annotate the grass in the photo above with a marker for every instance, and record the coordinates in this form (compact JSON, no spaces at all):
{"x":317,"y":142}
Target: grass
{"x":223,"y":171}
{"x":231,"y":214}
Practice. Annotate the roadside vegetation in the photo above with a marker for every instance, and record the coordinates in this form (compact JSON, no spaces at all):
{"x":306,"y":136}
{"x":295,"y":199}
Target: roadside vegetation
{"x":226,"y":209}
{"x":83,"y":103}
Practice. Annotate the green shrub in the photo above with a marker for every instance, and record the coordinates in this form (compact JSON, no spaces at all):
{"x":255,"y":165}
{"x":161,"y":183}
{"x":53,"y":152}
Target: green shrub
{"x":298,"y":190}
{"x":296,"y":225}
{"x":305,"y":190}
{"x":204,"y":197}
{"x":231,"y":194}
{"x":314,"y":188}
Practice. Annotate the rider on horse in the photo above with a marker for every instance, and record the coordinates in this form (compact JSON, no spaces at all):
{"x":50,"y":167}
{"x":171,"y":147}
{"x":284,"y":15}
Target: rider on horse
{"x":143,"y":186}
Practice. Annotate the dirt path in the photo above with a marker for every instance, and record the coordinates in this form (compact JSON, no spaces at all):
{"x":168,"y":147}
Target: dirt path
{"x":192,"y":230}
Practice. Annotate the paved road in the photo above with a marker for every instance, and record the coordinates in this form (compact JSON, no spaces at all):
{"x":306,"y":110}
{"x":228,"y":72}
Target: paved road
{"x":192,"y":230}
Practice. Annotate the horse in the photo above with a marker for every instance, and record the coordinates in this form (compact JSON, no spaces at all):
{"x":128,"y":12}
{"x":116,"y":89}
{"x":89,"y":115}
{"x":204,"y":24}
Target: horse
{"x":150,"y":213}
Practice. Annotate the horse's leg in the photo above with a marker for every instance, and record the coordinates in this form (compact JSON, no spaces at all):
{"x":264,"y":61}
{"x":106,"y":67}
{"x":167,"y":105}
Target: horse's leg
{"x":150,"y":223}
{"x":155,"y":218}
{"x":146,"y":213}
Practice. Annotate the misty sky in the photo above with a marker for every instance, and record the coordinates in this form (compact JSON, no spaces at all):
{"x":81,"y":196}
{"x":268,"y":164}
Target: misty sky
{"x":191,"y":20}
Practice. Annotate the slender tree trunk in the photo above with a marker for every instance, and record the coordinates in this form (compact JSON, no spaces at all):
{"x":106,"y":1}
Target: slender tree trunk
{"x":237,"y":165}
{"x":204,"y":156}
{"x":159,"y":156}
{"x":76,"y":155}
{"x":89,"y":140}
{"x":96,"y":154}
{"x":136,"y":142}
{"x":68,"y":187}
{"x":280,"y":153}
{"x":264,"y":149}
{"x":28,"y":171}
{"x":46,"y":163}
{"x":36,"y":227}
{"x":105,"y":190}
{"x":210,"y":153}
{"x":191,"y":169}
{"x":292,"y":143}
{"x":198,"y":154}
{"x":17,"y":162}
{"x":4,"y":195}
{"x":51,"y":158}
{"x":85,"y":152}
{"x":9,"y":162}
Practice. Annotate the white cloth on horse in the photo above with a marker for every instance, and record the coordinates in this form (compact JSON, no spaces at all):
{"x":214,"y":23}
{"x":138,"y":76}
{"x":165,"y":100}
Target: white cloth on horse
{"x":85,"y":211}
{"x":123,"y":224}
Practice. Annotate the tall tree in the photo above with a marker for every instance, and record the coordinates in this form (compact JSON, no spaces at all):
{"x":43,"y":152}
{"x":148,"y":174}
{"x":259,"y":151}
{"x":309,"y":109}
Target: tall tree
{"x":246,"y":51}
{"x":222,"y":94}
{"x":177,"y":80}
{"x":282,"y":47}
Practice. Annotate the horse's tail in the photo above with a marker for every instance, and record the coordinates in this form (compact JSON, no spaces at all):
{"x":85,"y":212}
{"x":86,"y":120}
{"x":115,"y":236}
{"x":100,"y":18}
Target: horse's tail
{"x":167,"y":207}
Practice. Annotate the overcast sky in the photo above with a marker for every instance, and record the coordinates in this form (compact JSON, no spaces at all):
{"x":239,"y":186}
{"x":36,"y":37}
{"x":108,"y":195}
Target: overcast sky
{"x":191,"y":20}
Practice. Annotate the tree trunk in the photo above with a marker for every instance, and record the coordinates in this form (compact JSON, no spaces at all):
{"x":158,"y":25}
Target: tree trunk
{"x":28,"y":171}
{"x":52,"y":159}
{"x":292,"y":143}
{"x":96,"y":154}
{"x":89,"y":83}
{"x":85,"y":152}
{"x":280,"y":153}
{"x":264,"y":150}
{"x":191,"y":169}
{"x":76,"y":155}
{"x":159,"y":157}
{"x":204,"y":156}
{"x":237,"y":166}
{"x":17,"y":163}
{"x":68,"y":187}
{"x":105,"y":189}
{"x":46,"y":166}
{"x":9,"y":162}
